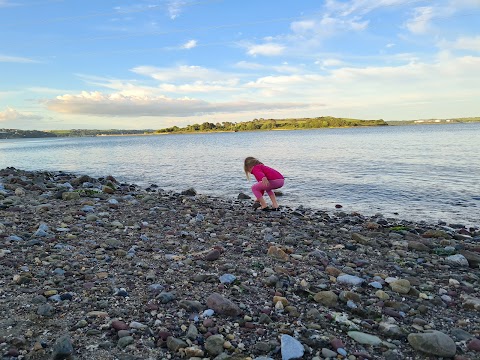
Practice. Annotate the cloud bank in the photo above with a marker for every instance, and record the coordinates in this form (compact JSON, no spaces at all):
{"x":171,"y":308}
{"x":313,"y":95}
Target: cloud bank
{"x":118,"y":105}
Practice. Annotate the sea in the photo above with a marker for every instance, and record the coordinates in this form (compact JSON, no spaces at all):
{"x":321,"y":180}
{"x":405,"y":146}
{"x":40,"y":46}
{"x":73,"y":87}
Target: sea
{"x":427,"y":173}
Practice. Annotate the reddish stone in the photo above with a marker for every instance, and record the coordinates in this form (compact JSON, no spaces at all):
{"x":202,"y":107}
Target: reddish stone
{"x":208,"y":323}
{"x":337,"y":343}
{"x":151,"y":307}
{"x":164,"y":335}
{"x":474,"y":345}
{"x":212,"y":255}
{"x":119,"y":325}
{"x":13,"y":352}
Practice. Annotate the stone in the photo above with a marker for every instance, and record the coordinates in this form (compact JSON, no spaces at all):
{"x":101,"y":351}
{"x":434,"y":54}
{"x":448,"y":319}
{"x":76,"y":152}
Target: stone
{"x":119,"y":325}
{"x":63,"y":348}
{"x":364,"y":338}
{"x":346,"y":296}
{"x":391,"y":330}
{"x":70,"y":196}
{"x":123,"y":342}
{"x":433,"y":343}
{"x":327,"y":353}
{"x":192,"y":332}
{"x":175,"y":344}
{"x":46,"y":310}
{"x":470,"y":302}
{"x":222,"y":305}
{"x":362,"y":239}
{"x":474,"y":345}
{"x":277,"y":253}
{"x":212,"y":255}
{"x":382,"y":295}
{"x":350,"y":280}
{"x":291,"y":348}
{"x":214,"y":344}
{"x":189,"y":192}
{"x":326,"y":298}
{"x":457,"y":260}
{"x":418,"y":246}
{"x":401,"y":286}
{"x":473,"y":258}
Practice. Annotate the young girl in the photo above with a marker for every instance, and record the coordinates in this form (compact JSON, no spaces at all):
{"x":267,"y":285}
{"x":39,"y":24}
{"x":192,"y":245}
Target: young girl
{"x":268,"y":180}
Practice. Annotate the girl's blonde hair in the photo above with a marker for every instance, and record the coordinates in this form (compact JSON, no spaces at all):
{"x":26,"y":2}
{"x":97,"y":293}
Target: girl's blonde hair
{"x":249,"y":163}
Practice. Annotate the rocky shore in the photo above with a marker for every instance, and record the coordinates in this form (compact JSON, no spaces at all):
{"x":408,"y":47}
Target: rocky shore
{"x":95,"y":269}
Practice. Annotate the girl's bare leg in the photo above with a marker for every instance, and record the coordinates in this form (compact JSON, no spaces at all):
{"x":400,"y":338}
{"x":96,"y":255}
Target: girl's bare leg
{"x":274,"y":199}
{"x":263,"y":203}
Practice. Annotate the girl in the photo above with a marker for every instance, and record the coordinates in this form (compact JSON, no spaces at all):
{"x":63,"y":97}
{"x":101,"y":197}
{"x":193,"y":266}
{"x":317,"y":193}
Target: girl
{"x":268,"y":180}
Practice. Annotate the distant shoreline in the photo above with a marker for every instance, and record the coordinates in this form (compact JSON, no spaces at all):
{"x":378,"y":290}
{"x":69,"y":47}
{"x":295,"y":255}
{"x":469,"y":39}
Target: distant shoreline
{"x":29,"y":134}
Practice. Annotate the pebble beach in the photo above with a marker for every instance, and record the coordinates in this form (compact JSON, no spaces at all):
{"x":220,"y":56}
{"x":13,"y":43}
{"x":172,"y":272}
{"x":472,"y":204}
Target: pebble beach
{"x":91,"y":268}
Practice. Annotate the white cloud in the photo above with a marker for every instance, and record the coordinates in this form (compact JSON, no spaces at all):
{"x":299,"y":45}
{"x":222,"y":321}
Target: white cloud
{"x":381,"y":89}
{"x":189,"y":44}
{"x":12,"y":115}
{"x":183,"y":73}
{"x":303,"y":26}
{"x":200,"y":87}
{"x":465,"y":43}
{"x":267,"y":49}
{"x":96,"y":103}
{"x":16,"y":59}
{"x":361,"y":7}
{"x":423,"y":18}
{"x":249,"y":65}
{"x":420,"y":22}
{"x":331,"y":62}
{"x":282,"y":68}
{"x":175,"y":8}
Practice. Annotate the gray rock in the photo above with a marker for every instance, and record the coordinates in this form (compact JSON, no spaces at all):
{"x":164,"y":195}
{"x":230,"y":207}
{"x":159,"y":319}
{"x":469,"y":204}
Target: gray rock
{"x":364,"y":338}
{"x":166,"y":297}
{"x":418,"y":246}
{"x":433,"y":343}
{"x":327,"y":353}
{"x":192,"y":332}
{"x":214,"y":344}
{"x":457,"y":260}
{"x":350,"y":280}
{"x":291,"y":348}
{"x":46,"y":310}
{"x":63,"y":348}
{"x":461,"y":335}
{"x":123,"y":342}
{"x":175,"y":344}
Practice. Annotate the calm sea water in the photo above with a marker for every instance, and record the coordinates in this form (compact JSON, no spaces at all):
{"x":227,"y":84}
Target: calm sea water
{"x":422,"y":172}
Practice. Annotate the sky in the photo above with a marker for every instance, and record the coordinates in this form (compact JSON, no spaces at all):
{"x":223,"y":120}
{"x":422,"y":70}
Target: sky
{"x":151,"y":64}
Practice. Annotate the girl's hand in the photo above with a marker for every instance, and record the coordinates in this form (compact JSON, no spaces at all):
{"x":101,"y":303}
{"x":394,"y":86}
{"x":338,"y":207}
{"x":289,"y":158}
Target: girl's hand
{"x":265,"y":181}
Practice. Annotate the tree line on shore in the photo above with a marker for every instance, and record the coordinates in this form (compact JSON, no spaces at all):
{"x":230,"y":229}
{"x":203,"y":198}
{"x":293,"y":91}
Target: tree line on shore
{"x":274,"y":124}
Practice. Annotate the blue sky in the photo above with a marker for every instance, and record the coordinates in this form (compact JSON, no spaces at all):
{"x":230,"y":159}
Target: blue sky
{"x":152,"y":64}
